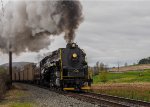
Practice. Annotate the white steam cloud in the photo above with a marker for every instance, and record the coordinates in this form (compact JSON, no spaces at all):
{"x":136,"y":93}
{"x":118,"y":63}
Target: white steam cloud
{"x":27,"y":25}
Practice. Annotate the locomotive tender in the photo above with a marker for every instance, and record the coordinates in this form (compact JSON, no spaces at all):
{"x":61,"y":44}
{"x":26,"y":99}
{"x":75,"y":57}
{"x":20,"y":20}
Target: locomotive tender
{"x":66,"y":69}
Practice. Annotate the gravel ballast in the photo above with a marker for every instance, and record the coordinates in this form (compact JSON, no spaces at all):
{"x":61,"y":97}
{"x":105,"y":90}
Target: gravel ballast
{"x":46,"y":98}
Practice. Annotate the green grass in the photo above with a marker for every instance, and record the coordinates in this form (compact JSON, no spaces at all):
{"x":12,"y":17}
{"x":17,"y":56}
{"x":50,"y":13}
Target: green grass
{"x":126,"y":77}
{"x":24,"y":104}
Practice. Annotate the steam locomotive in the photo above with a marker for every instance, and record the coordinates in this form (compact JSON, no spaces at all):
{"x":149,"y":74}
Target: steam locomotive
{"x":66,"y":69}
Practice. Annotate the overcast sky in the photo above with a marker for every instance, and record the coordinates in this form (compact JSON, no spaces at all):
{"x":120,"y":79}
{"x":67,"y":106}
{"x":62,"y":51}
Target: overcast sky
{"x":113,"y":31}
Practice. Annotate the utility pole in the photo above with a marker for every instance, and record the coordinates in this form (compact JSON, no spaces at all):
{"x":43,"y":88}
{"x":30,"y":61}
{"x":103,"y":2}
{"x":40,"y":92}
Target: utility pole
{"x":118,"y":66}
{"x":10,"y":63}
{"x":10,"y":66}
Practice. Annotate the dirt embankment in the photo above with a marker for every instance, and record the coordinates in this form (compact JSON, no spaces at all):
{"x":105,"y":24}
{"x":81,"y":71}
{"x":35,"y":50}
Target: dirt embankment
{"x":4,"y":83}
{"x":131,"y":68}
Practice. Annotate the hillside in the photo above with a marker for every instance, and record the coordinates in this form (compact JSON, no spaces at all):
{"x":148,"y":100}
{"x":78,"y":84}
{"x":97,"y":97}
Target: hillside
{"x":15,"y":64}
{"x":131,"y":68}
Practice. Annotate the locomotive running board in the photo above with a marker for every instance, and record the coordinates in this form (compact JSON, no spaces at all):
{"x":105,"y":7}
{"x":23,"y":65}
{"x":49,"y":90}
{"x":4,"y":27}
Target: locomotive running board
{"x":82,"y":88}
{"x":69,"y":88}
{"x":86,"y":88}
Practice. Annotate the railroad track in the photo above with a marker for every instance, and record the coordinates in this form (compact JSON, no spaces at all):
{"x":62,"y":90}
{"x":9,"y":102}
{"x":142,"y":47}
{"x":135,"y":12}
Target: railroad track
{"x":122,"y":100}
{"x":108,"y":100}
{"x":101,"y":100}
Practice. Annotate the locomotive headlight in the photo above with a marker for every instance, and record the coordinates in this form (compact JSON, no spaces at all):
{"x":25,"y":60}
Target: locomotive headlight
{"x":74,"y":55}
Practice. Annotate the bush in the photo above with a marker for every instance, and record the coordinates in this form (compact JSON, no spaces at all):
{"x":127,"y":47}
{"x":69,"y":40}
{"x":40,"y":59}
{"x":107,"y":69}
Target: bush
{"x":2,"y":70}
{"x":103,"y":76}
{"x":4,"y":81}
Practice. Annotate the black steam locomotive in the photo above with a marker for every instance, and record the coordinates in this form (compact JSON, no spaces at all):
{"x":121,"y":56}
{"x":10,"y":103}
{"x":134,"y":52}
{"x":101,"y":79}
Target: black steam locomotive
{"x":66,"y":68}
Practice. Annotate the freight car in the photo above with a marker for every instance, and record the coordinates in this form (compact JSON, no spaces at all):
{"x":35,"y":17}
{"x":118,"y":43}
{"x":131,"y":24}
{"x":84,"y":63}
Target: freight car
{"x":25,"y":74}
{"x":66,"y":69}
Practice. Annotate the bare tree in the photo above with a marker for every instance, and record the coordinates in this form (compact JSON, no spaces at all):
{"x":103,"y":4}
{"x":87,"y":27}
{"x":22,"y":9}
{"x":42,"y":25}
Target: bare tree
{"x":118,"y":66}
{"x":126,"y":64}
{"x":102,"y":66}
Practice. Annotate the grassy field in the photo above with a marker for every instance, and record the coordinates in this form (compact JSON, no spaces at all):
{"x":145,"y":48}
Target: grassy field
{"x":134,"y":85}
{"x":125,"y":77}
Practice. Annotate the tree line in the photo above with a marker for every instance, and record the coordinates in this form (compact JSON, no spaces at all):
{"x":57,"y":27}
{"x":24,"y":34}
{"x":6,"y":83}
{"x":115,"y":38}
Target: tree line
{"x":100,"y":69}
{"x":144,"y":61}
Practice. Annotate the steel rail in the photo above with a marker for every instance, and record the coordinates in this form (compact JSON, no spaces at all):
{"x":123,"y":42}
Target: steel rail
{"x":127,"y":101}
{"x":95,"y":100}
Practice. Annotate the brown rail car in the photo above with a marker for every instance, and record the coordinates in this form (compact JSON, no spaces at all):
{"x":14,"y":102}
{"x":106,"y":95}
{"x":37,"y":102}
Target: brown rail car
{"x":21,"y":75}
{"x":25,"y":74}
{"x":14,"y":75}
{"x":17,"y":75}
{"x":30,"y":72}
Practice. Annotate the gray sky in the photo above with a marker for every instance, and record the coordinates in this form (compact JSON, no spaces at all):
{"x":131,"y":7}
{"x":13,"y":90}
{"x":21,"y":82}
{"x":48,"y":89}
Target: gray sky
{"x":112,"y":31}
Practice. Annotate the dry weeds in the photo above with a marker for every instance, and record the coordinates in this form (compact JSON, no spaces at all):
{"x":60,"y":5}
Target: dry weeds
{"x":138,"y":91}
{"x":131,"y":68}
